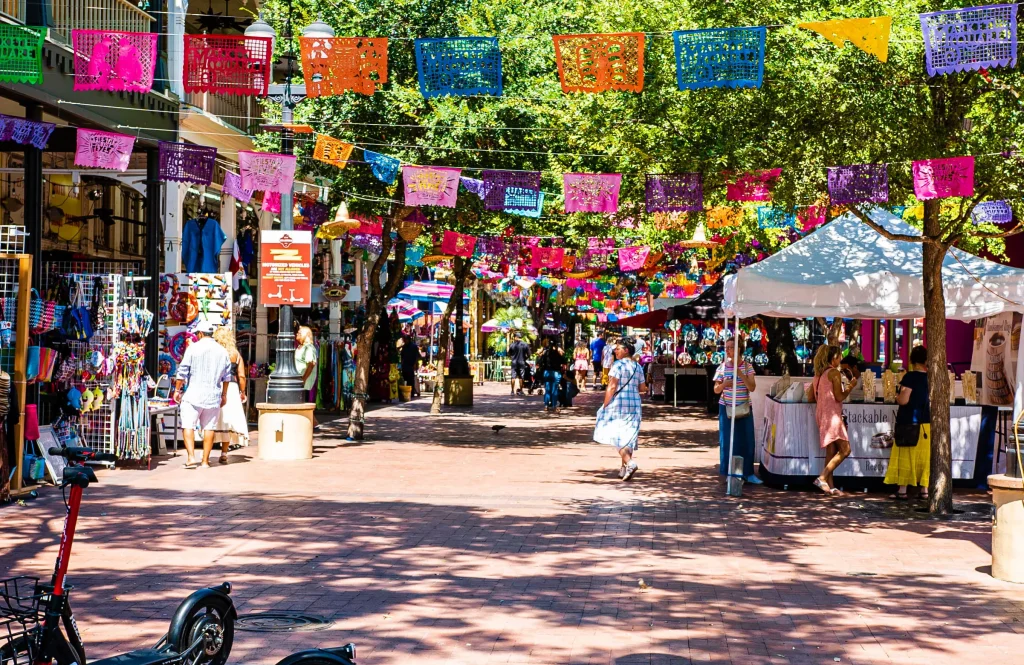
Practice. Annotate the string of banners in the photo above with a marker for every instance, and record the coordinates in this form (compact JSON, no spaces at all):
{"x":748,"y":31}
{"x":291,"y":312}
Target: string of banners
{"x":518,"y":192}
{"x":955,"y":40}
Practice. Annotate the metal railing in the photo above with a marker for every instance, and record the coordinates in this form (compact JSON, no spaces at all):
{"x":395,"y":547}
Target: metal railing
{"x":119,"y":15}
{"x":14,"y":9}
{"x":241,"y":112}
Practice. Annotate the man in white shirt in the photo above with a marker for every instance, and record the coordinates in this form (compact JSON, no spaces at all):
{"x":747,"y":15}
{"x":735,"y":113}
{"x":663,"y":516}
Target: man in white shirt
{"x":206,"y":367}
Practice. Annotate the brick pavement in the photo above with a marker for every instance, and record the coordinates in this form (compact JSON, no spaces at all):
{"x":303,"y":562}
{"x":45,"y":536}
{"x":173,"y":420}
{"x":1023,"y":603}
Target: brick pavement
{"x":439,"y":541}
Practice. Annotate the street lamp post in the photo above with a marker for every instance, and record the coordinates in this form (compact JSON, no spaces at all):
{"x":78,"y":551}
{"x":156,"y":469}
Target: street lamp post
{"x":285,"y":385}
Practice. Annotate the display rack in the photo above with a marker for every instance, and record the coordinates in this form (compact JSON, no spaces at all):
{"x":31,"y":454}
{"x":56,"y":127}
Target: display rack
{"x":12,"y":242}
{"x":97,"y":428}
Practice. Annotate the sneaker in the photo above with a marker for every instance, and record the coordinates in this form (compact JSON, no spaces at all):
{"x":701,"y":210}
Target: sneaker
{"x":630,"y":470}
{"x":622,"y":472}
{"x":754,"y":480}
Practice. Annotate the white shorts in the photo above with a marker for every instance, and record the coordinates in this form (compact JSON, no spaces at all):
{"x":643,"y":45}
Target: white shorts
{"x":197,"y":418}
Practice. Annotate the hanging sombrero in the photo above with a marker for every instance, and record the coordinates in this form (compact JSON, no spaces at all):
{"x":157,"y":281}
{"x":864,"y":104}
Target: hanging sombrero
{"x":341,"y":224}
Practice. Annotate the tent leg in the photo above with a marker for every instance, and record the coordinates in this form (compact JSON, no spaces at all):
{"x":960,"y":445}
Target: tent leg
{"x":735,"y":384}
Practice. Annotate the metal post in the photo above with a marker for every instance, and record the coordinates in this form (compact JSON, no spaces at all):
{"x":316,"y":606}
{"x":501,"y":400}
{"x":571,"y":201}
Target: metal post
{"x":154,"y":245}
{"x":675,"y":369}
{"x":33,"y":218}
{"x":285,"y":385}
{"x":732,"y":421}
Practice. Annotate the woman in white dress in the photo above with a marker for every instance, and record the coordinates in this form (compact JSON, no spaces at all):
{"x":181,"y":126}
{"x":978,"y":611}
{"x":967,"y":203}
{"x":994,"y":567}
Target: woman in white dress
{"x":232,"y":426}
{"x":618,"y":420}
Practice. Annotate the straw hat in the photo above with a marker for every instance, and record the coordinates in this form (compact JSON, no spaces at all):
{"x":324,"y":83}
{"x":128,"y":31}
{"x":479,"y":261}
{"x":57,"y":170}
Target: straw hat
{"x":342,"y":224}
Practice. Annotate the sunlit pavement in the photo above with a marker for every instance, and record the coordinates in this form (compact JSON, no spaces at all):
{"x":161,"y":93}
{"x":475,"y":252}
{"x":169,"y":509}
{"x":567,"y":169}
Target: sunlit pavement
{"x":439,"y":540}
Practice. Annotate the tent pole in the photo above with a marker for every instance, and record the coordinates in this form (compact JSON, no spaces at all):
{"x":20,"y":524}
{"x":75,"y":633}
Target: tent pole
{"x":735,"y":383}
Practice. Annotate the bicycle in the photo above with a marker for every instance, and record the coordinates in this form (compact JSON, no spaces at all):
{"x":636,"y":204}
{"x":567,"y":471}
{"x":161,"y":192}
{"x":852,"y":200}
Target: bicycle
{"x":37,"y":625}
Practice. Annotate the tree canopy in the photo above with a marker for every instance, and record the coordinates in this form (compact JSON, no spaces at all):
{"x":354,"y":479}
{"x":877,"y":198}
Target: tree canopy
{"x":819,"y":106}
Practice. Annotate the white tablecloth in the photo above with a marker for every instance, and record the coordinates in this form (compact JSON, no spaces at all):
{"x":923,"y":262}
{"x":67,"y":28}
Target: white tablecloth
{"x":788,"y":442}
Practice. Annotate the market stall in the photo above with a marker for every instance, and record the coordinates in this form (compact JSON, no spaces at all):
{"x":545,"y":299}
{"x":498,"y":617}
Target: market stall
{"x":846,"y":269}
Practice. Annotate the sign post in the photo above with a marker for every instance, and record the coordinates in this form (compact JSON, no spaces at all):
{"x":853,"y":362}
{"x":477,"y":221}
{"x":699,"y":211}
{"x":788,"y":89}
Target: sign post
{"x":286,"y":268}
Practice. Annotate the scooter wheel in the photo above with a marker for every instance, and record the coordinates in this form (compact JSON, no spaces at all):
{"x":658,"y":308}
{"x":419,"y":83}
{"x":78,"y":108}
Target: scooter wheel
{"x":210,"y":626}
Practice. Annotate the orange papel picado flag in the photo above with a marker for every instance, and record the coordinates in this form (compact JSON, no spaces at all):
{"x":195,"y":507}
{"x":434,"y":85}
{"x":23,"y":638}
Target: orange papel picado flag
{"x":870,"y":35}
{"x":332,"y":151}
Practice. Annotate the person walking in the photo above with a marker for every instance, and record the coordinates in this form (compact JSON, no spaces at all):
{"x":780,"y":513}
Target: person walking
{"x":911,"y":456}
{"x":518,"y":355}
{"x":619,"y":418}
{"x":550,"y":365}
{"x":597,"y":356}
{"x":305,"y":360}
{"x":206,"y":368}
{"x":827,"y":392}
{"x":581,"y":363}
{"x":743,"y":440}
{"x":410,"y":356}
{"x":232,"y":427}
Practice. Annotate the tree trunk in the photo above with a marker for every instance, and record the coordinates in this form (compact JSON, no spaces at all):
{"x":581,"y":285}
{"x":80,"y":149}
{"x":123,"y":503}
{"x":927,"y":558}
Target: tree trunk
{"x":941,"y":481}
{"x":461,"y":272}
{"x":781,"y":349}
{"x":831,"y":331}
{"x":376,"y":301}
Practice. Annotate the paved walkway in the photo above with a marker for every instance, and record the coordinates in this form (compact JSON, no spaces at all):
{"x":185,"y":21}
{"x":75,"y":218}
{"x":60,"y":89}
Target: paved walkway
{"x":441,"y":541}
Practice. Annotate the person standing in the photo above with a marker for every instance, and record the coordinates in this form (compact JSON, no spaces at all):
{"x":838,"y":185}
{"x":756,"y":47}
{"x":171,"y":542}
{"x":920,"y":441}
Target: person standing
{"x":305,"y":360}
{"x":607,"y":360}
{"x":206,"y":368}
{"x":410,"y":362}
{"x":911,"y":457}
{"x":581,"y":363}
{"x":597,"y":356}
{"x":827,"y":392}
{"x":232,"y":426}
{"x":619,"y":418}
{"x":743,"y":440}
{"x":519,"y":355}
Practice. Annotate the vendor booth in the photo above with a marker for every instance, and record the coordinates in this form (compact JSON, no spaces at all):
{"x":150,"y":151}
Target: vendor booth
{"x":846,"y":269}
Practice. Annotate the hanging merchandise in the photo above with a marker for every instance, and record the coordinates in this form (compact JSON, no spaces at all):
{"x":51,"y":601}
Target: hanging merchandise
{"x":128,"y":384}
{"x":134,"y":320}
{"x":201,"y":241}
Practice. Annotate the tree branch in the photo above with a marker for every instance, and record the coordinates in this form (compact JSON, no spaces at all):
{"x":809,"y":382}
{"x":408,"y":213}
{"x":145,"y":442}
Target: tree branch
{"x":1003,"y":234}
{"x":886,"y":233}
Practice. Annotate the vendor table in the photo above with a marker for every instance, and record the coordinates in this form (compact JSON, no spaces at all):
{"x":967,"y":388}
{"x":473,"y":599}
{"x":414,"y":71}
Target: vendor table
{"x":691,"y":382}
{"x":789,"y":442}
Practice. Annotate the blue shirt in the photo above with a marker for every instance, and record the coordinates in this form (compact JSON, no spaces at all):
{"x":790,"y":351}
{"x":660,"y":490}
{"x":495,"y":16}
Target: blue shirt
{"x":597,"y":349}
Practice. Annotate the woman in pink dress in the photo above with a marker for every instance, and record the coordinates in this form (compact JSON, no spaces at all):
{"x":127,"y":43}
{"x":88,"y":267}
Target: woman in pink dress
{"x":827,"y":392}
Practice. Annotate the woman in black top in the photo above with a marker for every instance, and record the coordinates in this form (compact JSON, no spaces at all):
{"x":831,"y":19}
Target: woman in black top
{"x":909,"y":465}
{"x":550,"y":365}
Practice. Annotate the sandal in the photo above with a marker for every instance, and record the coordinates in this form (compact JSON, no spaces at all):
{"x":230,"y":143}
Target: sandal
{"x":896,"y":496}
{"x":823,"y":486}
{"x":836,"y":492}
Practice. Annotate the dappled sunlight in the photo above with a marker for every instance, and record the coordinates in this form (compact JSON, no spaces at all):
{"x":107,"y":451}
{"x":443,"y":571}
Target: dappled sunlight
{"x":446,"y":550}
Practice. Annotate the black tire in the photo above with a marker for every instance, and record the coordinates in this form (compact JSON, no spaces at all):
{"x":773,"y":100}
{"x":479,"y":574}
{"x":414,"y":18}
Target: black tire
{"x":219,"y":618}
{"x":333,"y":660}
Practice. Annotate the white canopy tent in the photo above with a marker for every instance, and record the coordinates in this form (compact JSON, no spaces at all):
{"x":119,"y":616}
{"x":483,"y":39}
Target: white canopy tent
{"x":847,"y":269}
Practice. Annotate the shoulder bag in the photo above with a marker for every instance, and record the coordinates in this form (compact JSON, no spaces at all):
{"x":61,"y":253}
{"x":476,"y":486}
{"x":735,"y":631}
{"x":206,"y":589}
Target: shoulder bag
{"x":907,"y":435}
{"x":742,"y":409}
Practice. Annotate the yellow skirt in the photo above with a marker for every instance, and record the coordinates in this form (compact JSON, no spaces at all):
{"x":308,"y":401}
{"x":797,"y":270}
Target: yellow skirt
{"x":910,"y":466}
{"x":604,"y":376}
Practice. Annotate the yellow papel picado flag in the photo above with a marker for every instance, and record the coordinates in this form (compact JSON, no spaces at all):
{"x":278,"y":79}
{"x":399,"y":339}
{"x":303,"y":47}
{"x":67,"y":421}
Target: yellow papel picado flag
{"x":870,"y":35}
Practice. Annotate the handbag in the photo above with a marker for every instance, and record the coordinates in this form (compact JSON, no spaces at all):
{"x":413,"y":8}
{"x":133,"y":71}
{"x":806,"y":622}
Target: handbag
{"x":32,"y":364}
{"x":742,"y":409}
{"x":907,"y":435}
{"x":47,"y":359}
